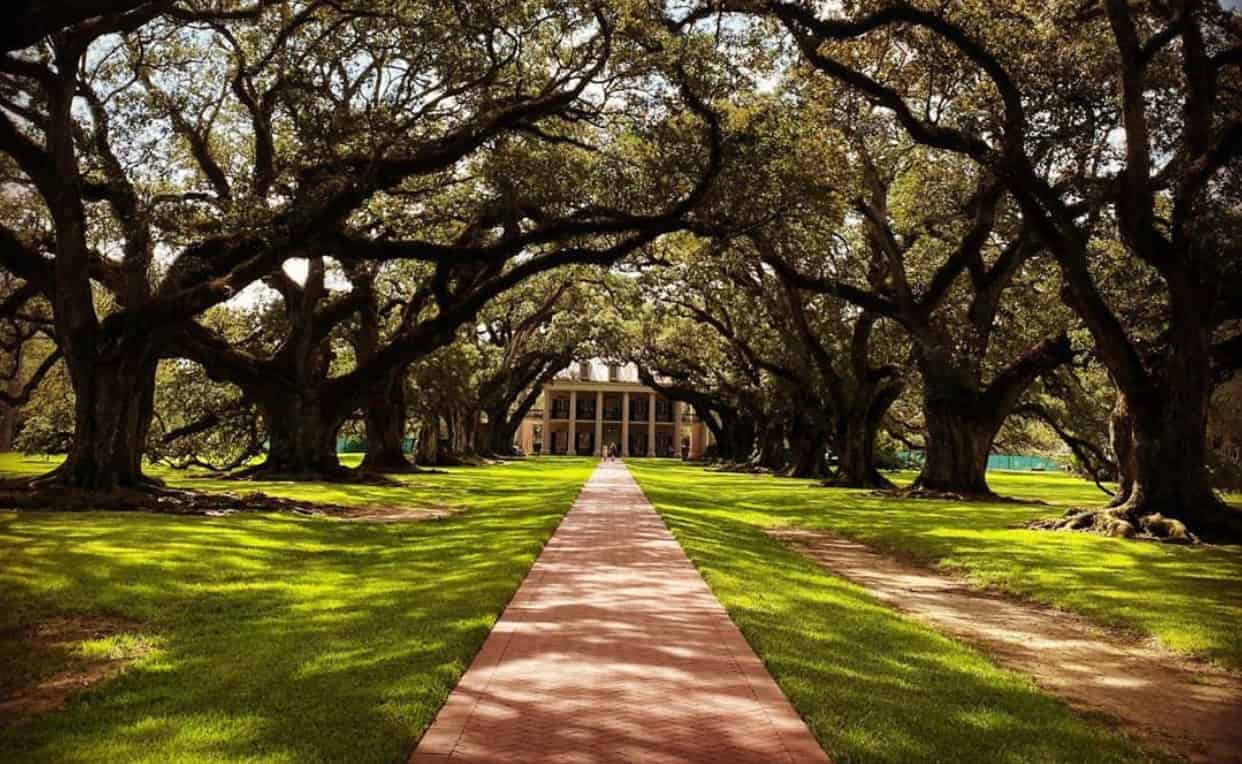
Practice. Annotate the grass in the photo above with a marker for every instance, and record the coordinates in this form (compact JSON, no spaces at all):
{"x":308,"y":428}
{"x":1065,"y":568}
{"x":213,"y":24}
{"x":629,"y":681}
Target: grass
{"x":875,"y":686}
{"x":1188,"y":598}
{"x":273,"y":638}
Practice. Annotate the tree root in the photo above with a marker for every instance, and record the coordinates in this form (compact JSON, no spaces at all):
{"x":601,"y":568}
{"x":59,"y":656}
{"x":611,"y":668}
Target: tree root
{"x":263,"y":472}
{"x":409,"y":468}
{"x":1119,"y":523}
{"x":749,"y":468}
{"x":154,"y":499}
{"x":930,"y":494}
{"x":877,"y":482}
{"x":936,"y":495}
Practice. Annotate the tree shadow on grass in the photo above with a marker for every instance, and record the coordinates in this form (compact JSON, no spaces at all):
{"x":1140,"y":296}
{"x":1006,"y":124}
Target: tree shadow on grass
{"x":873,"y":685}
{"x":1186,"y":596}
{"x":279,"y":638}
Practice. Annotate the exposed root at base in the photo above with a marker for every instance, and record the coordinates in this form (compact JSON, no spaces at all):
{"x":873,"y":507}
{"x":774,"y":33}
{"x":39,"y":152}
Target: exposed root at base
{"x":470,"y":460}
{"x":1118,"y":523}
{"x":740,"y":467}
{"x":398,"y":469}
{"x":158,"y":500}
{"x":934,"y":495}
{"x":880,"y":484}
{"x":340,"y":475}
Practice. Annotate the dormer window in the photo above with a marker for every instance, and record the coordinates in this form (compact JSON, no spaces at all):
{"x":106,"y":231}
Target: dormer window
{"x":614,"y":372}
{"x":584,"y":370}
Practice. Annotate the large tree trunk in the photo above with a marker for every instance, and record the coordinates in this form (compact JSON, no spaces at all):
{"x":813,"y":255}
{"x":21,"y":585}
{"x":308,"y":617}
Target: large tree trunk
{"x":1160,"y":441}
{"x":463,"y":432}
{"x":113,"y":398}
{"x":808,"y":440}
{"x":429,"y":441}
{"x":498,"y":437}
{"x":8,"y":414}
{"x":385,"y":422}
{"x":302,"y":437}
{"x":856,"y":445}
{"x":8,"y":426}
{"x":959,"y":438}
{"x":767,"y":454}
{"x":962,"y":419}
{"x":1159,"y":438}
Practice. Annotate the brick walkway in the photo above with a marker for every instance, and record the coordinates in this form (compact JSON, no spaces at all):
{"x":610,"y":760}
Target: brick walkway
{"x":614,"y":650}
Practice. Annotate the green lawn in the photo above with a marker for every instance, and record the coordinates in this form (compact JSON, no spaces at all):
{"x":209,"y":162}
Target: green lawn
{"x":275,"y":638}
{"x":875,"y":686}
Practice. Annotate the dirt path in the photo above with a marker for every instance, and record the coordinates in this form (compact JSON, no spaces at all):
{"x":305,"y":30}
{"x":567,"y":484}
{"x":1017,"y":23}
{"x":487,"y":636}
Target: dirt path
{"x":1192,"y":709}
{"x":614,"y":650}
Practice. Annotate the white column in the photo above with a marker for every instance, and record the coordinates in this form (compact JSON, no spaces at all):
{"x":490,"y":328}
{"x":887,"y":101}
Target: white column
{"x":573,"y":423}
{"x":599,"y":423}
{"x":651,"y":398}
{"x":625,"y":424}
{"x":547,"y":422}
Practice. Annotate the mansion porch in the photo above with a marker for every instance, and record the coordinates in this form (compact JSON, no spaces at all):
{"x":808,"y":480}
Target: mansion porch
{"x":594,"y":406}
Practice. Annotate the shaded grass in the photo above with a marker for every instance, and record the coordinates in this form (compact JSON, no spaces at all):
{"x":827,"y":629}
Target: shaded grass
{"x":277,"y":638}
{"x":1188,"y":598}
{"x":873,"y":686}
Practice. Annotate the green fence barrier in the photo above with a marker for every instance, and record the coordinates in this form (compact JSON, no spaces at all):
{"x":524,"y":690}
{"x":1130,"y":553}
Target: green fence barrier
{"x":359,"y":445}
{"x":1018,"y":462}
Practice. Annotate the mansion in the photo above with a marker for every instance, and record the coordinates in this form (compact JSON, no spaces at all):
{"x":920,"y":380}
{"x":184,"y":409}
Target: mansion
{"x":593,"y":405}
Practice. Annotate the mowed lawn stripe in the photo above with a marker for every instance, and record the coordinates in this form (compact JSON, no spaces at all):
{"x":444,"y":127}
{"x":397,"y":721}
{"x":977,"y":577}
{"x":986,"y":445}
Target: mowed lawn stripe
{"x":277,"y":638}
{"x":873,"y":685}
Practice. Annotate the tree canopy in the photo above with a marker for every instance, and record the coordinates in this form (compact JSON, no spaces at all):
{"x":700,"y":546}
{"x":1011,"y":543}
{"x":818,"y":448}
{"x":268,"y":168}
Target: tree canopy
{"x":234,"y":230}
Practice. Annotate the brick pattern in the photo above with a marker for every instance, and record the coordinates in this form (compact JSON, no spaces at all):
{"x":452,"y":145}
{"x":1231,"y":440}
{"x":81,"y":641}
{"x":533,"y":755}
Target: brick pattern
{"x":614,"y":650}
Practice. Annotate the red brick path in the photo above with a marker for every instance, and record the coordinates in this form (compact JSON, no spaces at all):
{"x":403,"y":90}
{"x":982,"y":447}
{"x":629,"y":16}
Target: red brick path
{"x":614,"y":650}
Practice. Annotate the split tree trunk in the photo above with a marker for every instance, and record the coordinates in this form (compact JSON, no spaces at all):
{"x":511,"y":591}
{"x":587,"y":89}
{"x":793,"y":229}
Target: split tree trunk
{"x":113,"y":405}
{"x":962,"y":419}
{"x":463,"y":433}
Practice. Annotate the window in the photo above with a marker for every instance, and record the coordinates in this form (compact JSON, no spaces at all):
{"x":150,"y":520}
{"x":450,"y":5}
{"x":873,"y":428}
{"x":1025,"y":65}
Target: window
{"x":612,"y":408}
{"x":664,"y":411}
{"x":638,"y":409}
{"x":586,"y":407}
{"x":584,"y":370}
{"x":614,"y":372}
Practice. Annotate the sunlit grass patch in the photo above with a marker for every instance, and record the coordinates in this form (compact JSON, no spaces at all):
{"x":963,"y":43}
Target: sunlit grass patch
{"x":1186,"y":597}
{"x":873,"y":685}
{"x":278,"y":638}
